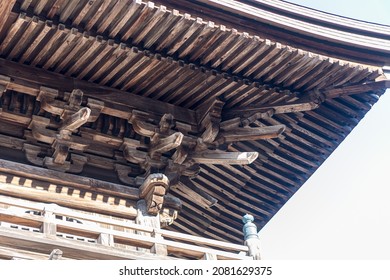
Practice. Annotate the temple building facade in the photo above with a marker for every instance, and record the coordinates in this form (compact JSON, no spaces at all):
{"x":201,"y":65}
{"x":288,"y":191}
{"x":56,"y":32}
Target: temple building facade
{"x":170,"y":129}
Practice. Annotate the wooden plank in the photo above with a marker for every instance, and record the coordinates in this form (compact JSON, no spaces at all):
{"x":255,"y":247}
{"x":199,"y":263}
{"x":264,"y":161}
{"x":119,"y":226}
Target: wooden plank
{"x":5,"y":13}
{"x":71,"y":180}
{"x":69,"y":201}
{"x":74,"y":214}
{"x":356,"y":89}
{"x":314,"y":31}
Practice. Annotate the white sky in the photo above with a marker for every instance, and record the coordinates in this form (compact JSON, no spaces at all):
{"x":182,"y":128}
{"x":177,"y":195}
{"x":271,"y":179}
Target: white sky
{"x":343,"y":210}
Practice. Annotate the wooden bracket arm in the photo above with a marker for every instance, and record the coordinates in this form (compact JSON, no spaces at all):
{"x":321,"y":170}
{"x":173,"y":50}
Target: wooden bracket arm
{"x":220,"y":157}
{"x":76,"y":120}
{"x":168,"y":143}
{"x":4,"y":82}
{"x":32,"y":154}
{"x":167,"y":122}
{"x":96,"y":107}
{"x":380,"y":85}
{"x":210,"y":118}
{"x":309,"y":101}
{"x":75,"y":99}
{"x":40,"y":132}
{"x":250,"y":134}
{"x":143,"y":128}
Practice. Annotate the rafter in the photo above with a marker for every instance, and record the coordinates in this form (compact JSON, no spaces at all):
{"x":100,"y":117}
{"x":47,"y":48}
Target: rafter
{"x":29,"y":80}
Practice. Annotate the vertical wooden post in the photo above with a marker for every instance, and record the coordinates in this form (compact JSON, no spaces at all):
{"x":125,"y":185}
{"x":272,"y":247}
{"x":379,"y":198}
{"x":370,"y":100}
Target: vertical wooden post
{"x":251,"y":237}
{"x":143,"y":218}
{"x":49,"y":227}
{"x":106,"y":239}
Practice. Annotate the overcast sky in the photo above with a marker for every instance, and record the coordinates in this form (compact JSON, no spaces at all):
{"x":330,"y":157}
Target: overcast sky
{"x":343,"y":210}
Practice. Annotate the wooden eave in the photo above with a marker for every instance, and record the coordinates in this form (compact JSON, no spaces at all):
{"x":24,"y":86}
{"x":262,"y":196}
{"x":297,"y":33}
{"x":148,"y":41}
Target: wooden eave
{"x":298,"y":26}
{"x":135,"y":55}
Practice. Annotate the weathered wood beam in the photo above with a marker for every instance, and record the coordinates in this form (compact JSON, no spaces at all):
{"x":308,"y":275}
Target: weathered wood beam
{"x":168,"y":143}
{"x":76,"y":120}
{"x":29,"y":80}
{"x":219,"y":157}
{"x":304,"y":104}
{"x":209,"y":117}
{"x":356,"y":89}
{"x":5,"y":13}
{"x":66,"y":200}
{"x":70,"y":180}
{"x":250,"y":133}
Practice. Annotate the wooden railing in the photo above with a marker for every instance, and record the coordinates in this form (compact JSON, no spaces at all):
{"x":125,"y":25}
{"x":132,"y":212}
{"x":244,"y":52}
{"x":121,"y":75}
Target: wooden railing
{"x":37,"y":228}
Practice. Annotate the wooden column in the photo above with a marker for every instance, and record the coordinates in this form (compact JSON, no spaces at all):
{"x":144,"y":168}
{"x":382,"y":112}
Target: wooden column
{"x":143,"y":218}
{"x":106,"y":239}
{"x":49,"y":227}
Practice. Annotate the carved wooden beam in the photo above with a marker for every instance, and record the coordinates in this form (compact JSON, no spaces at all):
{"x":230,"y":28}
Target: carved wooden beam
{"x":60,"y":142}
{"x":4,"y":82}
{"x":38,"y":156}
{"x":167,"y":122}
{"x":168,"y":143}
{"x":209,"y":119}
{"x":153,"y":191}
{"x":73,"y":122}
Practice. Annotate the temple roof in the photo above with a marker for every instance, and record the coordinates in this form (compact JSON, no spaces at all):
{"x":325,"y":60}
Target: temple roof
{"x":266,"y":64}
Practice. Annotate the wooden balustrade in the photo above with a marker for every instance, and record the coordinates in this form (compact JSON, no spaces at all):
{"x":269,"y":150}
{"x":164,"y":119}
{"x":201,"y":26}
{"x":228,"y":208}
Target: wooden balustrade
{"x":37,"y":228}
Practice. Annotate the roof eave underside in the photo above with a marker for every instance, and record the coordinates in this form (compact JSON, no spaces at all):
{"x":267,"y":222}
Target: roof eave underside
{"x":243,"y":71}
{"x":297,"y":26}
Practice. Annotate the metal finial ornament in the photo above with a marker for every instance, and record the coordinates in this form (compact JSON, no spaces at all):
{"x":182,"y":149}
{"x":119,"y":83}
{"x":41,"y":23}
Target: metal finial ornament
{"x":251,"y":237}
{"x":249,"y":229}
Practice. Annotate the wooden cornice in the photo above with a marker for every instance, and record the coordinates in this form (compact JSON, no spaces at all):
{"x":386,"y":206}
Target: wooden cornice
{"x":29,"y":80}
